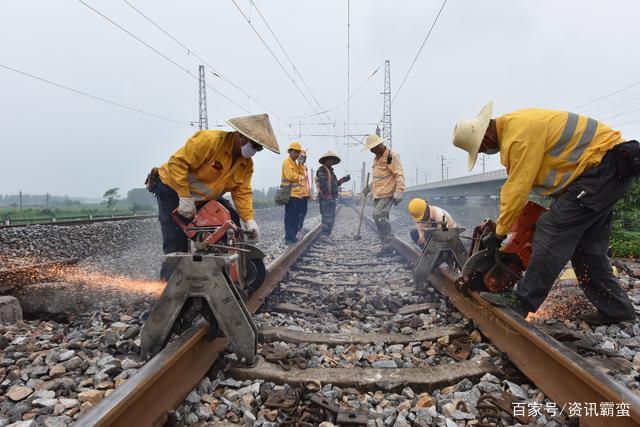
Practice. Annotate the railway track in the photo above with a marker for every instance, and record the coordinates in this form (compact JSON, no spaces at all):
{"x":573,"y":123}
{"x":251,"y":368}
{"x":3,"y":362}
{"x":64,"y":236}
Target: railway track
{"x":339,"y":319}
{"x":80,"y":221}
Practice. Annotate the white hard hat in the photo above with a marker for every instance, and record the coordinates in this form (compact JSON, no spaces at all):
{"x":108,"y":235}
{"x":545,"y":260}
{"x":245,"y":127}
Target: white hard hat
{"x":371,"y":141}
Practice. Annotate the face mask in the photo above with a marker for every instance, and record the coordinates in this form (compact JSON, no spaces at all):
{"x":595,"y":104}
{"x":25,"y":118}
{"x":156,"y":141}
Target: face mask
{"x":301,"y":159}
{"x":247,"y":150}
{"x":492,"y":151}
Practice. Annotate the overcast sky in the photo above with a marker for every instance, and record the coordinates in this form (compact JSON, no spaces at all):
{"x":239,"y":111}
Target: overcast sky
{"x":551,"y":54}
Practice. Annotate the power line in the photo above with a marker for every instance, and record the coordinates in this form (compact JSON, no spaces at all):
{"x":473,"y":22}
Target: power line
{"x":273,"y":55}
{"x":354,"y":93}
{"x":606,"y":96}
{"x":214,"y":71}
{"x":295,"y":69}
{"x":266,"y":45}
{"x":433,"y":24}
{"x":165,"y":57}
{"x":98,"y":98}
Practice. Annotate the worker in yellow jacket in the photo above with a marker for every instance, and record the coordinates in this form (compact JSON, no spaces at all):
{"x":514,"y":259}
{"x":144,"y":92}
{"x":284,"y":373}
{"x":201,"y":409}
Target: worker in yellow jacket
{"x":387,"y":187}
{"x":305,"y":191}
{"x":210,"y":164}
{"x":582,"y":163}
{"x":291,"y":178}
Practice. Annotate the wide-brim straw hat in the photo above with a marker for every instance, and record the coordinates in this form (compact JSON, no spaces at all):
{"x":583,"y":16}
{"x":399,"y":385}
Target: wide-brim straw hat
{"x":258,"y":129}
{"x":371,"y":141}
{"x":468,"y":134}
{"x":329,"y":154}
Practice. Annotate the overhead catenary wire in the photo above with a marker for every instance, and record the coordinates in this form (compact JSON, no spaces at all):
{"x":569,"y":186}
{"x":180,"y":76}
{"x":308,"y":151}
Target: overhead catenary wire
{"x":295,"y":69}
{"x":275,"y":57}
{"x":606,"y":95}
{"x":213,"y":70}
{"x":95,"y":97}
{"x":424,"y":42}
{"x":266,"y":45}
{"x":162,"y":55}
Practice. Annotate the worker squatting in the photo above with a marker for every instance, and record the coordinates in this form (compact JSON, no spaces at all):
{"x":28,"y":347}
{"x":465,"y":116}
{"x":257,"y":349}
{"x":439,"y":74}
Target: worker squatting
{"x":583,"y":164}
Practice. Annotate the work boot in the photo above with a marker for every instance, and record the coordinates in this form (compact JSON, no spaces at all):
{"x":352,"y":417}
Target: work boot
{"x":600,"y":319}
{"x":506,"y":299}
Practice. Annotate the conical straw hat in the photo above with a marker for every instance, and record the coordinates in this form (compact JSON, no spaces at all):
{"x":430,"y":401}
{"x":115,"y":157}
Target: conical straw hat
{"x":329,"y":154}
{"x":468,"y":134}
{"x":258,"y":129}
{"x":371,"y":141}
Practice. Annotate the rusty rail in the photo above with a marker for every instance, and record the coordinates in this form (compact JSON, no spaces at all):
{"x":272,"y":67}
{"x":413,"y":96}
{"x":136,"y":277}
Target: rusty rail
{"x":62,"y":221}
{"x":164,"y":381}
{"x":560,"y":373}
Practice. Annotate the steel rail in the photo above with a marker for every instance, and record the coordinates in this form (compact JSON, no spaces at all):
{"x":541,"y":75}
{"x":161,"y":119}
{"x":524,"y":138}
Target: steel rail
{"x":559,"y":372}
{"x":164,"y":381}
{"x":81,"y":221}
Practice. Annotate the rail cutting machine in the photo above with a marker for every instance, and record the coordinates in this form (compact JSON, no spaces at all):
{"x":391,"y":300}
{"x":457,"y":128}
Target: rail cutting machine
{"x":481,"y":269}
{"x":211,"y":281}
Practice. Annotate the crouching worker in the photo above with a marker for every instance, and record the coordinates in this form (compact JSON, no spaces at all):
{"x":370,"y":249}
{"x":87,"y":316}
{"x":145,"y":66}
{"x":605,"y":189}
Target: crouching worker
{"x":328,"y":185}
{"x":427,"y":216}
{"x":210,"y":164}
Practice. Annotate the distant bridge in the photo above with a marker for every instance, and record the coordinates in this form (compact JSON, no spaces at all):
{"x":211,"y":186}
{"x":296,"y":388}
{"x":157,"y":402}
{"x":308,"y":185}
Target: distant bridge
{"x":482,"y":184}
{"x":469,"y":199}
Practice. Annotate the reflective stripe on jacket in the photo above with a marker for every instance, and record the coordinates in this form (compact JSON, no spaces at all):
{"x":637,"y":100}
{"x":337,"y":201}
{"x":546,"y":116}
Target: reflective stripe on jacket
{"x":291,"y":176}
{"x":202,"y":169}
{"x":546,"y":150}
{"x":387,"y":178}
{"x":304,"y":180}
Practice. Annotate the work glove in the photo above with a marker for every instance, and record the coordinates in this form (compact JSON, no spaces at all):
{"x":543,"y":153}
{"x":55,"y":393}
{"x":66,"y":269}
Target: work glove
{"x":366,"y":190}
{"x":345,"y":179}
{"x":252,"y":229}
{"x":187,"y":207}
{"x":492,"y":240}
{"x":397,"y":198}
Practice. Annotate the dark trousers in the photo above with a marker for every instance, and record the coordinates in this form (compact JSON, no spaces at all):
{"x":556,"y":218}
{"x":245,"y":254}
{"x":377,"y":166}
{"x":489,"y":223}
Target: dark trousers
{"x":173,"y":238}
{"x":415,"y":236}
{"x":304,"y":204}
{"x":328,"y":214}
{"x":578,"y":229}
{"x":292,"y":218}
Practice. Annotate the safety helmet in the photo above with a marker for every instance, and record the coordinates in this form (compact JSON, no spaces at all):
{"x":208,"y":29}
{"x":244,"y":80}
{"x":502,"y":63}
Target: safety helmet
{"x":416,"y":209}
{"x":295,"y":145}
{"x":371,"y":141}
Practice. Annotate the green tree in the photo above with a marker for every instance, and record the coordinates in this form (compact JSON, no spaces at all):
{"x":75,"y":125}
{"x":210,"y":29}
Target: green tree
{"x":141,"y":197}
{"x":111,"y":197}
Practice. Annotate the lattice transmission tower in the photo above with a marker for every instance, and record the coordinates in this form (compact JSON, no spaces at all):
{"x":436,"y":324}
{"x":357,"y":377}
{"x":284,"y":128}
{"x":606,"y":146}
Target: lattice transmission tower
{"x":386,"y":109}
{"x":204,"y":117}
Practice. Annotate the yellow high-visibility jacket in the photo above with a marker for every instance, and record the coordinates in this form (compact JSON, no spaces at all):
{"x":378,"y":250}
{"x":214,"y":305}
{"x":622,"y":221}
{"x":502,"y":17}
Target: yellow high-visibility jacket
{"x":304,"y":181}
{"x":202,"y":169}
{"x":291,"y":176}
{"x":387,"y":177}
{"x":545,"y":151}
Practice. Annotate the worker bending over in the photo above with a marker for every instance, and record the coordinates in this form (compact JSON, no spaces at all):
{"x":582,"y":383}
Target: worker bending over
{"x":305,"y":192}
{"x":328,"y":185}
{"x":582,"y":163}
{"x":291,"y":178}
{"x":387,"y":187}
{"x":427,"y":216}
{"x":210,"y":164}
